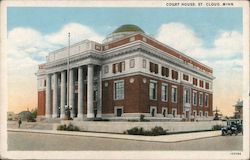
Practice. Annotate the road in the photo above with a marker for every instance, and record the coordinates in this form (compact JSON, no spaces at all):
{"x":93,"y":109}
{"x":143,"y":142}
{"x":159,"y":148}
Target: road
{"x":21,"y":141}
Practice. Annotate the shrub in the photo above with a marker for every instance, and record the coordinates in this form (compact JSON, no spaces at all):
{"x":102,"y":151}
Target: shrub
{"x":217,"y":127}
{"x":153,"y":132}
{"x":70,"y":127}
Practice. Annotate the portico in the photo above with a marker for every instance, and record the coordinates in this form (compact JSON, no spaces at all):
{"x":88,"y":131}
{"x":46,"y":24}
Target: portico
{"x":80,"y":78}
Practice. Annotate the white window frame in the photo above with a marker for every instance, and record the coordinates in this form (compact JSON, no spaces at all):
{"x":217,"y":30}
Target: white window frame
{"x":118,"y":107}
{"x":175,"y":112}
{"x":106,"y":69}
{"x":172,"y":94}
{"x":132,"y":63}
{"x":144,"y":63}
{"x":164,"y":95}
{"x":201,"y":98}
{"x":195,"y":97}
{"x":201,"y":113}
{"x":166,"y":111}
{"x":194,"y":113}
{"x":206,"y":113}
{"x":122,"y":95}
{"x":123,"y":66}
{"x":116,"y":67}
{"x":151,"y":109}
{"x":151,"y":94}
{"x":206,"y":100}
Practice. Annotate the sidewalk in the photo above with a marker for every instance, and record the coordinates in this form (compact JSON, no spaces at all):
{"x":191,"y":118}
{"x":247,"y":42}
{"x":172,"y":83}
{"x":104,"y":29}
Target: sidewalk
{"x":164,"y":138}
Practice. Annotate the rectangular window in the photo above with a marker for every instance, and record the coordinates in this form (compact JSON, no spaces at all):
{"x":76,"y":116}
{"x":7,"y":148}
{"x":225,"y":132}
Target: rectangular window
{"x":201,"y":83}
{"x":156,"y":68}
{"x":174,"y":94}
{"x":194,"y":98}
{"x":119,"y":90}
{"x":123,"y":66}
{"x":118,"y":111}
{"x":207,"y":85}
{"x":187,"y":95}
{"x":185,"y":77}
{"x":119,"y":67}
{"x":132,"y":63}
{"x":201,"y":99}
{"x":164,"y":92}
{"x":106,"y":69}
{"x":164,"y":71}
{"x":194,"y":81}
{"x":153,"y":67}
{"x":206,"y":100}
{"x":174,"y":75}
{"x":144,"y":63}
{"x":116,"y":67}
{"x":153,"y":90}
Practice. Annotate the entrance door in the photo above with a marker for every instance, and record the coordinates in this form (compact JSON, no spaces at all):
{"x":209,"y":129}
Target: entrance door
{"x":187,"y":114}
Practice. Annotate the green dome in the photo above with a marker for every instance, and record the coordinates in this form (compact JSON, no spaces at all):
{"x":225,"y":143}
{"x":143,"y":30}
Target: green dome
{"x":128,"y":28}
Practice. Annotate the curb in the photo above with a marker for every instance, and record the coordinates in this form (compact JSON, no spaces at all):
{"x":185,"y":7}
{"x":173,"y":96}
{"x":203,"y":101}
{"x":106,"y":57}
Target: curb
{"x":129,"y":137}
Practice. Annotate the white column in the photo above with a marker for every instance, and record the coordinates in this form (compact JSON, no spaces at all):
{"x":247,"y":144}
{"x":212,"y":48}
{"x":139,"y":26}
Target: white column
{"x":63,"y":94}
{"x":48,"y":97}
{"x":99,"y":102}
{"x":80,"y":92}
{"x":55,"y":95}
{"x":90,"y":107}
{"x":71,"y":93}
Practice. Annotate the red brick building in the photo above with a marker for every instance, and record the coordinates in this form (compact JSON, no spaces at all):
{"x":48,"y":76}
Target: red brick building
{"x":129,"y":74}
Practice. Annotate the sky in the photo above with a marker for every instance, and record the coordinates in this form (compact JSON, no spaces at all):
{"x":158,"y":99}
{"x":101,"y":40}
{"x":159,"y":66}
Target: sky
{"x":211,"y":35}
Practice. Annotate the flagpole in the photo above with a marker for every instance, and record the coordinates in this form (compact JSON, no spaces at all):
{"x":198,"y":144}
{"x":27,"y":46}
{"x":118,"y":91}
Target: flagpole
{"x":68,"y":72}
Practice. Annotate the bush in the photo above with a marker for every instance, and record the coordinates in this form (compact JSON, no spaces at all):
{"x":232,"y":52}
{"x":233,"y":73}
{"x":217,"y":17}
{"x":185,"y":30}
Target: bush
{"x":156,"y":131}
{"x":216,"y":127}
{"x":70,"y":127}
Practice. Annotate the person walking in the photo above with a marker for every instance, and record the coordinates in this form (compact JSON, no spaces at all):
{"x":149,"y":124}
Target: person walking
{"x":19,"y":122}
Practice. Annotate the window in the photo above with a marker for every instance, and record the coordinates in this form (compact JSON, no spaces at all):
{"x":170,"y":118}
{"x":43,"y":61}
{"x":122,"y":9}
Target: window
{"x":201,"y":83}
{"x":164,"y":111}
{"x":153,"y":111}
{"x":164,"y":92}
{"x":44,"y":83}
{"x":201,"y":113}
{"x":174,"y":94}
{"x":194,"y":81}
{"x":153,"y":67}
{"x":207,"y":85}
{"x":119,"y":90}
{"x":144,"y":63}
{"x":132,"y":63}
{"x":174,"y":75}
{"x":187,"y":95}
{"x":201,"y":99}
{"x":174,"y":112}
{"x":153,"y":90}
{"x":206,"y":100}
{"x":119,"y":67}
{"x":194,"y":113}
{"x":118,"y":111}
{"x":164,"y":71}
{"x":106,"y":69}
{"x":194,"y":98}
{"x":185,"y":77}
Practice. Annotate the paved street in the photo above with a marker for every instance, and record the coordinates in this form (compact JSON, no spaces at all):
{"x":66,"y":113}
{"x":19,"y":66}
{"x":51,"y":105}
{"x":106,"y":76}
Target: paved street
{"x":36,"y":141}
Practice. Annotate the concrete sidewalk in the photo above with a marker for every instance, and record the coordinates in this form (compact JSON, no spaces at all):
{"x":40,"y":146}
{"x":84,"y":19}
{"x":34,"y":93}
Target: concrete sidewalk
{"x":164,"y":138}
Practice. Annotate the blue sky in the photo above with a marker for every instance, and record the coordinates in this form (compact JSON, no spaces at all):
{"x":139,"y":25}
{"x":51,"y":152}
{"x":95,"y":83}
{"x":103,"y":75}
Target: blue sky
{"x":212,"y":36}
{"x":206,"y":22}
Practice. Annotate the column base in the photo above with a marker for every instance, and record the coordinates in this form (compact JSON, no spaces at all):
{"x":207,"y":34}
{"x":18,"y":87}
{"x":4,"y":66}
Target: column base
{"x":90,"y":115}
{"x":54,"y":115}
{"x":48,"y":116}
{"x":62,"y":116}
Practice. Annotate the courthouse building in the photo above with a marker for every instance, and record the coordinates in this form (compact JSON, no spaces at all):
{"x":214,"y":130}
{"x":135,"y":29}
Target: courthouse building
{"x":128,"y":75}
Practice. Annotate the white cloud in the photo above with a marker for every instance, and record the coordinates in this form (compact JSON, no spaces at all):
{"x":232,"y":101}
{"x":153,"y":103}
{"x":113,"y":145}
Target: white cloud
{"x":227,"y":45}
{"x":77,"y":31}
{"x":179,"y":36}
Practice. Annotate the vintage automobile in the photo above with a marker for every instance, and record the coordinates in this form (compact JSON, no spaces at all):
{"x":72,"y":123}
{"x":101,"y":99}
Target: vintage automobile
{"x":234,"y":126}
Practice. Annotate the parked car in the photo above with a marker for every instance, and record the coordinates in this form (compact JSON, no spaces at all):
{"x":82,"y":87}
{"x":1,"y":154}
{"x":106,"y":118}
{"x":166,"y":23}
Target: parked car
{"x":234,"y":126}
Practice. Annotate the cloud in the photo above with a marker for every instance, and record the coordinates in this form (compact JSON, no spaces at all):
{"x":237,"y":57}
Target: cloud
{"x":179,"y":36}
{"x":77,"y":31}
{"x":227,"y":45}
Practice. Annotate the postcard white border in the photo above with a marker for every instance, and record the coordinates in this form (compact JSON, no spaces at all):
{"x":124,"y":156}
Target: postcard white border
{"x":116,"y":154}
